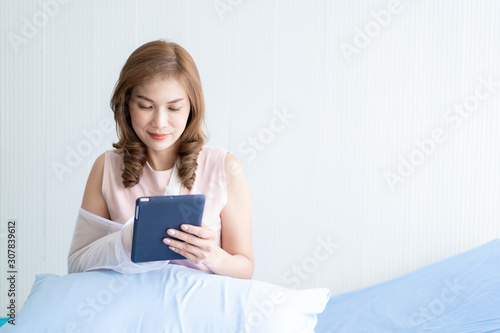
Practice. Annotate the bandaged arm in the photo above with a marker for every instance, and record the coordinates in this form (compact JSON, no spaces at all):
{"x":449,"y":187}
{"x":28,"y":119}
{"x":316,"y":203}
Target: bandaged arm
{"x":99,"y":243}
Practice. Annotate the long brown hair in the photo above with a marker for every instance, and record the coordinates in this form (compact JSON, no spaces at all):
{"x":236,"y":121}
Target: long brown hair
{"x":165,"y":60}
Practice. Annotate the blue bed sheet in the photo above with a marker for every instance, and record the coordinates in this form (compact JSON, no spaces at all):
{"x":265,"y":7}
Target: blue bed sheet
{"x":459,"y":294}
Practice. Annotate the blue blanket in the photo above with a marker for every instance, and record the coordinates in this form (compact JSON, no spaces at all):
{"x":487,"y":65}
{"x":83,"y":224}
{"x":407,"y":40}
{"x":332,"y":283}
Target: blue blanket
{"x":459,"y":294}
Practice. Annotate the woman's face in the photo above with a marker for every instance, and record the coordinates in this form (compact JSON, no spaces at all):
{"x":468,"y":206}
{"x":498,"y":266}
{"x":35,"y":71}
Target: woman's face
{"x":159,"y":110}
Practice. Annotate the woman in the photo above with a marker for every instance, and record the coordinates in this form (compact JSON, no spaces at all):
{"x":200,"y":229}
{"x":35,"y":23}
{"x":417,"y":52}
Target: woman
{"x":159,"y":111}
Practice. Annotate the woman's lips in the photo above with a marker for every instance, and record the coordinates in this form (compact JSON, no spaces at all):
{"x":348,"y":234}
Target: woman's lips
{"x":158,"y":136}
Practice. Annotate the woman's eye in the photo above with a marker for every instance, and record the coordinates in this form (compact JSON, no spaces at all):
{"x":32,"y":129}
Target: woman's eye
{"x":144,"y":107}
{"x":175,"y":109}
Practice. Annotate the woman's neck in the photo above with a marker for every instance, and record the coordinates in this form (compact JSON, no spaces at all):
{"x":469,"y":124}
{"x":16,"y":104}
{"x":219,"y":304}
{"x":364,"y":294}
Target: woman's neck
{"x":162,"y":160}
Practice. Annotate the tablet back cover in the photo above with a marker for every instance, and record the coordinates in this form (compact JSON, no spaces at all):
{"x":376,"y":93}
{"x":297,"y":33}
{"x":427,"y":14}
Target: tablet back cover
{"x":154,"y":215}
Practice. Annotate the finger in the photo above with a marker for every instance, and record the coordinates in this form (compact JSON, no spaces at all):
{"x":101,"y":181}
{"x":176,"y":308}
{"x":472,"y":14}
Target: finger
{"x":184,"y":253}
{"x":201,"y":232}
{"x":178,"y":244}
{"x":191,"y":243}
{"x":190,"y":252}
{"x":198,"y":247}
{"x":184,"y":236}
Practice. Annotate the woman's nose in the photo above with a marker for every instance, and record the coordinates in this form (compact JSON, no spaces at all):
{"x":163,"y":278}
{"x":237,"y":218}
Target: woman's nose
{"x":160,"y":117}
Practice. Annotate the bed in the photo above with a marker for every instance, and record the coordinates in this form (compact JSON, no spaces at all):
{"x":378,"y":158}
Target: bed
{"x":458,"y":294}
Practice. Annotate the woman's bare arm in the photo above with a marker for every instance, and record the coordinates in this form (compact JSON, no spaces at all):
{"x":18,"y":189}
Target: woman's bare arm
{"x":235,"y":256}
{"x":93,"y":200}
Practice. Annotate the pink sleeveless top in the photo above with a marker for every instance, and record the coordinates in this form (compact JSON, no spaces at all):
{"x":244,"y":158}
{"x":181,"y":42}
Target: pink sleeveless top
{"x":210,"y":181}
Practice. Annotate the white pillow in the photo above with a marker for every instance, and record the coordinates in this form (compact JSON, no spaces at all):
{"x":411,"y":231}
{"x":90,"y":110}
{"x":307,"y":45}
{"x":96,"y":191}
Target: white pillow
{"x":172,"y":299}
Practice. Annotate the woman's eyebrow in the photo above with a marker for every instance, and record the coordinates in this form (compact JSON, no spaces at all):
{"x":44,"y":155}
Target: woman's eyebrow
{"x":150,"y":100}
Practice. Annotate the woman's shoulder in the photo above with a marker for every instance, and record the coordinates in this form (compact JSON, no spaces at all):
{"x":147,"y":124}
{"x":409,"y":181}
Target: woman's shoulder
{"x":111,"y":156}
{"x":113,"y":153}
{"x":219,"y":155}
{"x":107,"y":163}
{"x":211,"y":150}
{"x":218,"y":159}
{"x":211,"y":154}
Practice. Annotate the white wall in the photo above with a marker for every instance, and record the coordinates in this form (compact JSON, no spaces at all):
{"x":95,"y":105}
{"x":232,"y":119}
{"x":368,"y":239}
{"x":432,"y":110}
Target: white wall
{"x":323,"y":176}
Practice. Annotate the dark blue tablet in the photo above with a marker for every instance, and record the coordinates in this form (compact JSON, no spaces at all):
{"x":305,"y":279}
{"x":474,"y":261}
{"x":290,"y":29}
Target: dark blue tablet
{"x":154,"y":215}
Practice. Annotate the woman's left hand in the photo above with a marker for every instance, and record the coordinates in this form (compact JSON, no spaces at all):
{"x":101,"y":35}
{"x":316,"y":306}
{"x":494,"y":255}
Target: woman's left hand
{"x":195,"y":243}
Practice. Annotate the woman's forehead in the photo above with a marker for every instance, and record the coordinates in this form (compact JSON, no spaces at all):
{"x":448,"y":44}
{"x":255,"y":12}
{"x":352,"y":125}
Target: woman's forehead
{"x":158,"y":88}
